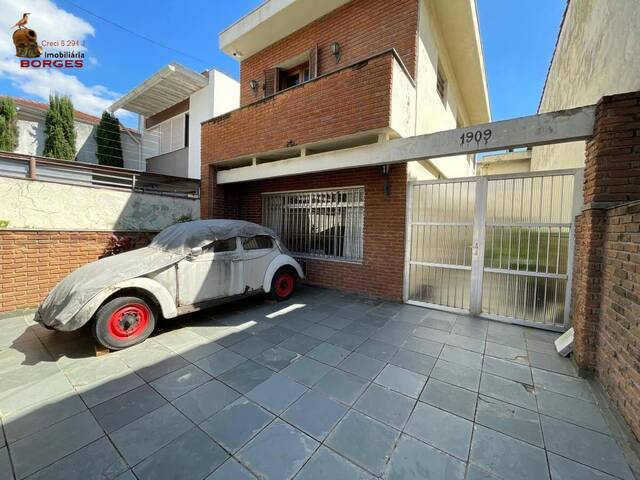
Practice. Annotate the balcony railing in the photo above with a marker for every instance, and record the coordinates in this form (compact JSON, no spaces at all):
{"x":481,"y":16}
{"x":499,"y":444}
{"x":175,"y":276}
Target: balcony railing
{"x":374,"y":95}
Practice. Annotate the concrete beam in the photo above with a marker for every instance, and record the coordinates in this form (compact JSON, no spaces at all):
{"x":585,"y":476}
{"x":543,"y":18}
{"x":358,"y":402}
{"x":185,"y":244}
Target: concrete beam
{"x":544,"y":129}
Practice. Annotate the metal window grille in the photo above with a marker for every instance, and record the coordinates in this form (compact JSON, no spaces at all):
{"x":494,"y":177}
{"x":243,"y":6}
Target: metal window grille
{"x":318,"y":224}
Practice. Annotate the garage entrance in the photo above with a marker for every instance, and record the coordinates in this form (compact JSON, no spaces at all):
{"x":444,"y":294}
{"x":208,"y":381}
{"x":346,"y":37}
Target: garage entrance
{"x":499,"y":246}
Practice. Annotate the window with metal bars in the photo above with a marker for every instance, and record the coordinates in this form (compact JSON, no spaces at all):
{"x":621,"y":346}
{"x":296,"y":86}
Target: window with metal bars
{"x":441,"y":82}
{"x":318,"y":224}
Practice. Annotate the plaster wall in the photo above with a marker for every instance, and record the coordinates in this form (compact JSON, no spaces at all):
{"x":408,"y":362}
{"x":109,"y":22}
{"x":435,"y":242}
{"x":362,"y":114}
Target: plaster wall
{"x":596,"y":55}
{"x":43,"y":205}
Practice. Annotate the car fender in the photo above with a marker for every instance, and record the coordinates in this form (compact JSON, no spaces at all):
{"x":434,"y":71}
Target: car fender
{"x":278,"y":262}
{"x":151,"y":287}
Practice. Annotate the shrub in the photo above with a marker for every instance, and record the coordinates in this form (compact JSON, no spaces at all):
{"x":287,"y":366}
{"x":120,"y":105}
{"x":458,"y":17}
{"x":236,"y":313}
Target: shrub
{"x":59,"y":129}
{"x":8,"y":125}
{"x":109,"y":146}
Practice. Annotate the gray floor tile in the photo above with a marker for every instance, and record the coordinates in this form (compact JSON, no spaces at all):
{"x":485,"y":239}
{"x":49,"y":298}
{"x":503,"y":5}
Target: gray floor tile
{"x":191,"y":455}
{"x":35,"y":418}
{"x":514,"y":340}
{"x":300,"y":343}
{"x":362,"y":366}
{"x":276,"y":334}
{"x":111,"y":388}
{"x":470,"y":330}
{"x":336,"y":322}
{"x":461,"y":356}
{"x":553,"y":363}
{"x":517,"y":422}
{"x":329,"y":354}
{"x":277,"y":452}
{"x":325,"y":464}
{"x":438,"y":324}
{"x":394,"y":332}
{"x":296,"y":325}
{"x":540,"y":335}
{"x":414,"y":361}
{"x":315,"y":414}
{"x":411,"y":314}
{"x":206,"y":400}
{"x":474,"y":472}
{"x":564,"y":384}
{"x":360,"y":329}
{"x":276,"y":393}
{"x":319,"y":332}
{"x":197,"y":352}
{"x":237,"y":423}
{"x":151,"y":360}
{"x":6,"y":472}
{"x":347,"y":341}
{"x":507,"y":457}
{"x":220,"y":362}
{"x":432,"y":334}
{"x":347,"y":439}
{"x":440,"y":429}
{"x":564,"y":469}
{"x":505,"y":352}
{"x":401,"y":380}
{"x":385,"y":405}
{"x":543,"y":347}
{"x":414,"y":460}
{"x":177,"y":383}
{"x":423,"y":346}
{"x":572,"y":410}
{"x":456,"y":400}
{"x":97,"y":460}
{"x":306,"y":371}
{"x":456,"y":374}
{"x":276,"y":358}
{"x":232,"y":337}
{"x":511,"y":370}
{"x":246,"y":376}
{"x":146,"y":435}
{"x":468,"y":343}
{"x":32,"y":453}
{"x":508,"y":391}
{"x":251,"y":347}
{"x":124,"y":409}
{"x":379,"y":350}
{"x":584,"y":446}
{"x":231,"y":470}
{"x":341,"y":386}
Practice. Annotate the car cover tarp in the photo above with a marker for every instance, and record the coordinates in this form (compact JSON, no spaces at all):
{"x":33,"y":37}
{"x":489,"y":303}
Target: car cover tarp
{"x":168,"y":247}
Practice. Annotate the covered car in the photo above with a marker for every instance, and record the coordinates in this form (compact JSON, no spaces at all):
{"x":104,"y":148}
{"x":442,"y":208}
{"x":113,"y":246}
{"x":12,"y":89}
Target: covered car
{"x":187,"y":266}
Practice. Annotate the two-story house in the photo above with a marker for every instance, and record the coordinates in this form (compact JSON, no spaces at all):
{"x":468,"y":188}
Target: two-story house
{"x":171,"y":104}
{"x":322,"y":84}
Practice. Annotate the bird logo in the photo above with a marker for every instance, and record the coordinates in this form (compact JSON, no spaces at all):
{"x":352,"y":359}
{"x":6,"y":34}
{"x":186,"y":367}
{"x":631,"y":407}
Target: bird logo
{"x":22,"y":22}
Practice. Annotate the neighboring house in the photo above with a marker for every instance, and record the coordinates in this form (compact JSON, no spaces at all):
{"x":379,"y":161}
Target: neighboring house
{"x":504,"y":163}
{"x":172,"y":103}
{"x":31,"y":137}
{"x":324,"y":83}
{"x":597,"y":53}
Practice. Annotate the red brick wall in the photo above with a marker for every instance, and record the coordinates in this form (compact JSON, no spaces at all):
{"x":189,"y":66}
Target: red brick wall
{"x":33,"y":262}
{"x":349,"y":101}
{"x":362,"y":27}
{"x":618,"y":339}
{"x":381,"y":272}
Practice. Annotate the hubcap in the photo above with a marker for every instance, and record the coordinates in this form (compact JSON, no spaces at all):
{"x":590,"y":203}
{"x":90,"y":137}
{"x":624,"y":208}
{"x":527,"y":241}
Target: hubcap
{"x":129,"y":321}
{"x":284,"y":284}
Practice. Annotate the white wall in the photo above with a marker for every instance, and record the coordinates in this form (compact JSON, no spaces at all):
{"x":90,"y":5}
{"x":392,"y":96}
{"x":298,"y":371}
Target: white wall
{"x":598,"y":53}
{"x":433,"y":114}
{"x":220,"y":96}
{"x":31,"y":140}
{"x":35,"y":204}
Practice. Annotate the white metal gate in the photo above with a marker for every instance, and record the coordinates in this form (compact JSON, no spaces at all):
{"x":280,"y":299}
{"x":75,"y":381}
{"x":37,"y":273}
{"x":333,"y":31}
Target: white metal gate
{"x":499,"y":246}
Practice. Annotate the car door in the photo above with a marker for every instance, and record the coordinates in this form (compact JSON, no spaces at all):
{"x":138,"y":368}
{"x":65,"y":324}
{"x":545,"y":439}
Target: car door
{"x":257,"y":254}
{"x":215,"y":273}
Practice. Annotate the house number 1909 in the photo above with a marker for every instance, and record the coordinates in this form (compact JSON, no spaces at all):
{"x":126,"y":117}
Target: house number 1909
{"x":475,"y":136}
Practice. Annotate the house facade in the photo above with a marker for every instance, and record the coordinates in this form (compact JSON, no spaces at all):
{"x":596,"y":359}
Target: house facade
{"x":325,"y":83}
{"x":171,"y":104}
{"x":31,"y":136}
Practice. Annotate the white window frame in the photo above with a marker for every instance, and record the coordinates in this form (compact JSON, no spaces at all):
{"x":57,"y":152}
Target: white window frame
{"x":329,"y":223}
{"x":172,"y":123}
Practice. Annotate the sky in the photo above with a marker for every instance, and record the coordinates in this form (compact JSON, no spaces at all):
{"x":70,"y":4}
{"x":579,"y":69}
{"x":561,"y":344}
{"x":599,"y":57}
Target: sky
{"x":518,"y":38}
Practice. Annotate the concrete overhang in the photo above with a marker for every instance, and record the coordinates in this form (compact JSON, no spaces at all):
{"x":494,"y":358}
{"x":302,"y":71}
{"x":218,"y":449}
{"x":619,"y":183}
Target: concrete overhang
{"x":459,"y":26}
{"x":270,"y":22}
{"x":170,"y":85}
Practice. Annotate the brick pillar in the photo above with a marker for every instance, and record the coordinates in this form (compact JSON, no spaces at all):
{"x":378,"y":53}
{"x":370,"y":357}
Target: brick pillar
{"x":611,"y":177}
{"x":212,"y":195}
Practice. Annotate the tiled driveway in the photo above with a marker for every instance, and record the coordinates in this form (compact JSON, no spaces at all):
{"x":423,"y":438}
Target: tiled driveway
{"x":332,"y":387}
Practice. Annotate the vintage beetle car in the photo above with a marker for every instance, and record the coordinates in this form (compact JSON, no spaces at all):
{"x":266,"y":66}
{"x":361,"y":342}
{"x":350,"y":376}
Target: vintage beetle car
{"x":187,"y":267}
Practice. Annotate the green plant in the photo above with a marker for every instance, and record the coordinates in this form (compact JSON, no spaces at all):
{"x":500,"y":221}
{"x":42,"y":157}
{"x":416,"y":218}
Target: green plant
{"x":183,"y":218}
{"x":59,"y":129}
{"x":4,"y":223}
{"x":8,"y":125}
{"x":109,"y":146}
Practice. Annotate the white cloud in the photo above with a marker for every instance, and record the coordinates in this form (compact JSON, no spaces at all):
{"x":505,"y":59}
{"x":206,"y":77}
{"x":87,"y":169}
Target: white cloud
{"x":51,"y":23}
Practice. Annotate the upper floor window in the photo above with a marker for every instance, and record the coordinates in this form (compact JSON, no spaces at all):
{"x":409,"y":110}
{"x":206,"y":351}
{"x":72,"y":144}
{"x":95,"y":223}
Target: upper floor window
{"x":441,"y":82}
{"x":292,"y":72}
{"x":294,"y":76}
{"x":170,"y":135}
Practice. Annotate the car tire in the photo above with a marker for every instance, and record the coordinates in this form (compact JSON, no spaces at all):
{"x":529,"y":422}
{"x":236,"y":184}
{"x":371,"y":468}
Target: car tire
{"x":123,"y":322}
{"x":283,"y":284}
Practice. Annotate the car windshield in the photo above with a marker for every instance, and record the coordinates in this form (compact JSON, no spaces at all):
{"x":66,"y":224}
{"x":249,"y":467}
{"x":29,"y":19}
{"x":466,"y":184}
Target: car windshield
{"x":182,"y":237}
